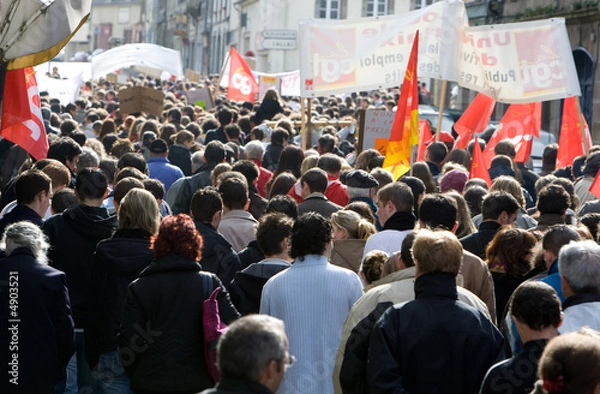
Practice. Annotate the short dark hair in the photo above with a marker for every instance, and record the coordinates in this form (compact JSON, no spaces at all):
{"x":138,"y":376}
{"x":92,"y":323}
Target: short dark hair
{"x":416,"y":185}
{"x":497,"y":202}
{"x":327,"y":143}
{"x":205,"y":203}
{"x":224,"y":116}
{"x":247,"y":168}
{"x":64,"y":149}
{"x":91,"y":184}
{"x":279,"y":135}
{"x":310,"y":235}
{"x":272,"y":229}
{"x":284,"y":204}
{"x":124,"y":186}
{"x":558,"y":236}
{"x":214,"y":152}
{"x":134,"y":160}
{"x":537,"y":305}
{"x":315,"y":179}
{"x":130,"y":172}
{"x":233,"y":131}
{"x":330,"y":163}
{"x":234,"y":192}
{"x":406,"y":251}
{"x":399,"y":194}
{"x":437,"y":152}
{"x":592,"y":164}
{"x":438,"y":211}
{"x":474,"y":196}
{"x":553,"y":199}
{"x":174,"y":113}
{"x":63,"y":199}
{"x":29,"y":184}
{"x":155,"y":187}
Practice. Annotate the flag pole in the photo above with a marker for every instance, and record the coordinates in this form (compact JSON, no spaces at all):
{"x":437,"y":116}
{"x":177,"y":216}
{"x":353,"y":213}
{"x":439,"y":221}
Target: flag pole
{"x":221,"y":76}
{"x":306,"y":144}
{"x":586,"y":148}
{"x":441,"y":110}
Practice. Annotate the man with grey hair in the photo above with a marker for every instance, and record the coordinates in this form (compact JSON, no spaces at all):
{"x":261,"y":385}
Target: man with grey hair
{"x":38,"y":341}
{"x":255,"y":151}
{"x":579,"y":268}
{"x":252,"y":356}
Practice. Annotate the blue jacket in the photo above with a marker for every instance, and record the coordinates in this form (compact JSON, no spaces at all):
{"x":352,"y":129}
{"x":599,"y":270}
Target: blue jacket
{"x":160,"y":168}
{"x":553,"y":279}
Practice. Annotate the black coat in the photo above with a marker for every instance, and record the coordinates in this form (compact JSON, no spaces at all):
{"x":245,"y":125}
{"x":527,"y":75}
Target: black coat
{"x":161,"y":338}
{"x":191,"y":184}
{"x":19,"y":213}
{"x":216,"y":134}
{"x":477,"y":243}
{"x":218,"y":256}
{"x":271,"y":157}
{"x":45,"y":328}
{"x":434,"y":344}
{"x":118,"y":261}
{"x":73,"y":237}
{"x":267,"y":110}
{"x":246,"y":287}
{"x":180,"y":156}
{"x":251,"y":254}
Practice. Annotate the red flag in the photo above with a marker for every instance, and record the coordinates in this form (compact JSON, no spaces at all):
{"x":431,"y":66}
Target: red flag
{"x":570,"y":142}
{"x":242,"y":85}
{"x":478,"y":166}
{"x":424,"y":136}
{"x":520,"y":124}
{"x":22,"y":121}
{"x":405,"y":130}
{"x":474,"y":120}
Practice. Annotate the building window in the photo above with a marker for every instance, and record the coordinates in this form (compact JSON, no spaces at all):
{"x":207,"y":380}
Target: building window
{"x":423,"y":3}
{"x":377,"y":7}
{"x":329,"y":9}
{"x":123,"y":15}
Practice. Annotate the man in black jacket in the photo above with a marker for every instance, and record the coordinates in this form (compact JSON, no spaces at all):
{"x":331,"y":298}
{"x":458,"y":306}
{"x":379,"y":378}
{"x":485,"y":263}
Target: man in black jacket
{"x":498,"y":209}
{"x":213,"y":155}
{"x":218,"y":256}
{"x":73,"y":237}
{"x":435,"y":343}
{"x":225,"y":118}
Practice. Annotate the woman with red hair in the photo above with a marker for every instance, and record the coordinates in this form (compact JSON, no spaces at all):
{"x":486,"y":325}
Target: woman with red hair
{"x":161,"y":338}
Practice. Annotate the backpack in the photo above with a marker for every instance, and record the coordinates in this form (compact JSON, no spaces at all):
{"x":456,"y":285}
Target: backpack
{"x":213,"y":329}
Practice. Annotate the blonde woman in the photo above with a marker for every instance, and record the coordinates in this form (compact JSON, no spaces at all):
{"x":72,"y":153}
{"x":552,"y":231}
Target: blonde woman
{"x":118,"y":261}
{"x":350,"y":233}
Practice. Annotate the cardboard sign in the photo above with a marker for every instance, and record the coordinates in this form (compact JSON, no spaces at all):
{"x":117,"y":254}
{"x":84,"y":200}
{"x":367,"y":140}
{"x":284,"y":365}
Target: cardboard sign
{"x":192,"y":75}
{"x":200,"y":97}
{"x":378,"y":125}
{"x":141,"y":99}
{"x":111,"y":77}
{"x":148,"y":71}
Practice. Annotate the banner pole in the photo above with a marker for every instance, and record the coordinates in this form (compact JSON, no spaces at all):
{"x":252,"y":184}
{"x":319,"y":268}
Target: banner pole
{"x":586,"y":148}
{"x":441,"y":110}
{"x":220,"y":77}
{"x":303,"y":121}
{"x":308,"y":130}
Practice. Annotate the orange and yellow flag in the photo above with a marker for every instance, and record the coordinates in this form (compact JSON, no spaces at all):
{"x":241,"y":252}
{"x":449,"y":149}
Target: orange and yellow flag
{"x":405,"y":131}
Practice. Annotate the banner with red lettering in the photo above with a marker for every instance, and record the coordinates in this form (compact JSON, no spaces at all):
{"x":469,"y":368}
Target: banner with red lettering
{"x":513,"y":62}
{"x":22,"y":121}
{"x":242,"y":85}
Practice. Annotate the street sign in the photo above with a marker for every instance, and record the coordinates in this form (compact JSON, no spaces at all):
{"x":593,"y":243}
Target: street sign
{"x":277,"y":43}
{"x":281,"y":34}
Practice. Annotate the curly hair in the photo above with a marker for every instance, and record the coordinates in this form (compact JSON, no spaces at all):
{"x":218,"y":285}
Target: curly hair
{"x":178,"y":235}
{"x":310,"y":235}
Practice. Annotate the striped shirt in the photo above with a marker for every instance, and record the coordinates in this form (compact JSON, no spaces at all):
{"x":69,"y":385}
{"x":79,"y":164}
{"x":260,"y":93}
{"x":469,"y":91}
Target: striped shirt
{"x":313,"y":299}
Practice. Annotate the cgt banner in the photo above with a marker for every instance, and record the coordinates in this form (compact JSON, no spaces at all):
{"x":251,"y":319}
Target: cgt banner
{"x":519,"y":62}
{"x":513,"y":63}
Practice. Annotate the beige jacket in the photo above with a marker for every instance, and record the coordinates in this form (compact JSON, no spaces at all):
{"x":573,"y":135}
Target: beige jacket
{"x":347,"y":253}
{"x":400,"y":289}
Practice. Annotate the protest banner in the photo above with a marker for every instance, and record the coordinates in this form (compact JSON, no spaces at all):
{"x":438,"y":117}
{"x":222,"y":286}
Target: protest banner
{"x":200,"y":97}
{"x":369,"y":53}
{"x":148,"y":71}
{"x":514,"y":63}
{"x":66,"y":90}
{"x":267,"y":81}
{"x":141,"y":99}
{"x":376,"y":130}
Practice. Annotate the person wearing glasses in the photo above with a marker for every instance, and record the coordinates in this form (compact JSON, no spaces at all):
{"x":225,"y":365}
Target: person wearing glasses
{"x":252,"y":356}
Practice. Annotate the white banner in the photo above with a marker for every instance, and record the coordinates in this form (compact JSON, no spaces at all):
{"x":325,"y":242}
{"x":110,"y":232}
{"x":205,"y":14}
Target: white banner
{"x":66,"y":90}
{"x":128,"y":55}
{"x":288,"y":83}
{"x":371,"y":53}
{"x":514,"y":63}
{"x":519,"y":62}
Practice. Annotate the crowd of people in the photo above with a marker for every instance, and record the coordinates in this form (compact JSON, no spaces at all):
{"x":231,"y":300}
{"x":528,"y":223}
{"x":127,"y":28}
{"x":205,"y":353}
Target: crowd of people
{"x":331,"y":275}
